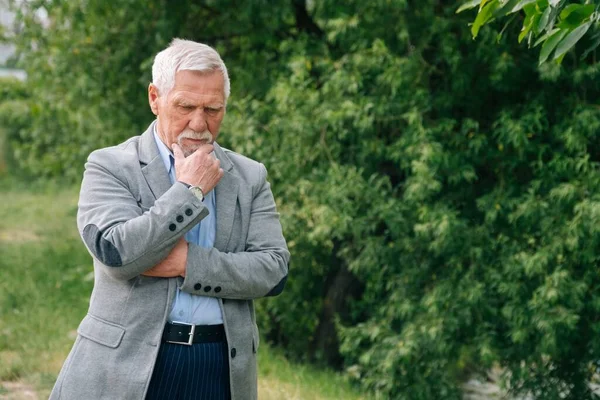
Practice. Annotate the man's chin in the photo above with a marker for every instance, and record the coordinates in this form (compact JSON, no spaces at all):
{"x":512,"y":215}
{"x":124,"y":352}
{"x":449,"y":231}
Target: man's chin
{"x":189,"y":150}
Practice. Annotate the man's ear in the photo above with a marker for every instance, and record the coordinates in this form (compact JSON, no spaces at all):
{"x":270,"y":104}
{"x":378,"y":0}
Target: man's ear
{"x":153,"y":98}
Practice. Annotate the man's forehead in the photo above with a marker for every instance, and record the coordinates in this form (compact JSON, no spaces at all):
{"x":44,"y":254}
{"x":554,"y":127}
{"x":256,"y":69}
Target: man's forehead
{"x":184,"y":96}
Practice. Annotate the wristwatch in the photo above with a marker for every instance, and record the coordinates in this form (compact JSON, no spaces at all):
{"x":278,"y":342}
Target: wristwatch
{"x":196,"y":191}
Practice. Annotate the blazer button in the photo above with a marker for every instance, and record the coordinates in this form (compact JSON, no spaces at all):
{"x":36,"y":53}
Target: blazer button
{"x":188,"y":212}
{"x":179,"y":218}
{"x":217,"y":289}
{"x":207,"y":289}
{"x":197,"y":286}
{"x":233,"y":352}
{"x":172,"y":227}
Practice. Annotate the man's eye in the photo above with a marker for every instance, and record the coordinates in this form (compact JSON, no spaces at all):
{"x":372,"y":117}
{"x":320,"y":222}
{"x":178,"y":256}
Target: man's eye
{"x":211,"y":110}
{"x":186,"y":108}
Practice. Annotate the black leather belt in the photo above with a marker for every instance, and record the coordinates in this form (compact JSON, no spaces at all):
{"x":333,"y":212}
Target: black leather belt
{"x":189,"y":334}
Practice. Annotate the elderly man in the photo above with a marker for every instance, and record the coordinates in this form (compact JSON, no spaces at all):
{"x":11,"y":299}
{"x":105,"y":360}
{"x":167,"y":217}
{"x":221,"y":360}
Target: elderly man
{"x":184,"y":235}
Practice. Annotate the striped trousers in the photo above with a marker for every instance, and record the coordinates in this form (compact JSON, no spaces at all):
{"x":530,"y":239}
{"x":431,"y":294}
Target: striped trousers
{"x":196,"y":372}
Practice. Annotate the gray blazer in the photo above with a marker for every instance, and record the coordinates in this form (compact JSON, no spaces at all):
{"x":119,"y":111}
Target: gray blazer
{"x":128,"y":212}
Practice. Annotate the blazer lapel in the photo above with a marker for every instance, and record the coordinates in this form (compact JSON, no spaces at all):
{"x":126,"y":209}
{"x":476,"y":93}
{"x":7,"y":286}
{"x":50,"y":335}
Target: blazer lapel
{"x":226,"y":194}
{"x":153,"y":167}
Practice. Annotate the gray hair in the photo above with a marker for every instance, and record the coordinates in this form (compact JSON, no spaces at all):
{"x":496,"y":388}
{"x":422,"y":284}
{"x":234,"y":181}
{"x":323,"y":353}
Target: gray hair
{"x":186,"y":55}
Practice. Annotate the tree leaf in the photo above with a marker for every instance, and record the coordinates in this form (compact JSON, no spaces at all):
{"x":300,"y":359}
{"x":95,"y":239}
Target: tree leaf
{"x":569,"y":41}
{"x":545,"y":37}
{"x":568,"y":10}
{"x":524,"y":33}
{"x":528,"y":21}
{"x":553,"y":16}
{"x":550,"y":44}
{"x":542,"y":5}
{"x":484,"y":16}
{"x":482,"y":3}
{"x":533,"y":21}
{"x":507,"y":8}
{"x":543,"y":22}
{"x":519,"y":6}
{"x":560,"y":58}
{"x":530,"y":10}
{"x":573,"y":15}
{"x":468,"y":5}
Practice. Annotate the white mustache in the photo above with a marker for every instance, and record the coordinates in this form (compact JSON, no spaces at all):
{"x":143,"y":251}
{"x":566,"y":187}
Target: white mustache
{"x":191,"y":134}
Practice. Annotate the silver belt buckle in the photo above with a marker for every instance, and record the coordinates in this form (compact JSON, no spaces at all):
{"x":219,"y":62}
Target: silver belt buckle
{"x":192,"y":331}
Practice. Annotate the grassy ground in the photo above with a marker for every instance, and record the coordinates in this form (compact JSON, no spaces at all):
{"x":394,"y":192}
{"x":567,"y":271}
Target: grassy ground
{"x":44,"y":292}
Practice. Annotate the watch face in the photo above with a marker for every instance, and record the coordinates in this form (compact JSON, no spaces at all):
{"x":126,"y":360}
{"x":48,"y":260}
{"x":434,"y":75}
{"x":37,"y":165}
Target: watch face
{"x":197,"y":192}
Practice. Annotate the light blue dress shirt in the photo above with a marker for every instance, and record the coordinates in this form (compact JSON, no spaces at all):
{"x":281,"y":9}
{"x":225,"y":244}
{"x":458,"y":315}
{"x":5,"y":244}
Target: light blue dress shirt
{"x":189,"y":308}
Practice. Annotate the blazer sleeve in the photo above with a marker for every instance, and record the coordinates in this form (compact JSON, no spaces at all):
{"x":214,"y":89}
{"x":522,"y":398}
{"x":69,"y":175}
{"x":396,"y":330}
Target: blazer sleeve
{"x":126,"y":240}
{"x":261,"y":270}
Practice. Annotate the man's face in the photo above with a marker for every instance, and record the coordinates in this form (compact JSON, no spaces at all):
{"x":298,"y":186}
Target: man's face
{"x":191,"y":113}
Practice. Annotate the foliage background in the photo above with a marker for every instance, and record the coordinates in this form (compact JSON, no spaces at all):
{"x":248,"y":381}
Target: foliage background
{"x":440,"y":196}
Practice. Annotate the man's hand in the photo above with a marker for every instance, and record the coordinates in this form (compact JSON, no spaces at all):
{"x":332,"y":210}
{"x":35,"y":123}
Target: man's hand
{"x":198,"y":169}
{"x":173,"y":265}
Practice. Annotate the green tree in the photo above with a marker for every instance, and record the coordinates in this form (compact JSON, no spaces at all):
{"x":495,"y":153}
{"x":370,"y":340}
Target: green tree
{"x":440,"y":195}
{"x":14,"y":112}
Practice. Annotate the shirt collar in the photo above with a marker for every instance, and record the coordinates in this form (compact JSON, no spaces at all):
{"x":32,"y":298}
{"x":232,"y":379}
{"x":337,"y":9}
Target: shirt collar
{"x":165,"y":153}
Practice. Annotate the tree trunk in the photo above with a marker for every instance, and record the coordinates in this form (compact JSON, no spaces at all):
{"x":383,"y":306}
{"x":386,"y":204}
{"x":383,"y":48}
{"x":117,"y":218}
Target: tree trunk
{"x":342,"y":289}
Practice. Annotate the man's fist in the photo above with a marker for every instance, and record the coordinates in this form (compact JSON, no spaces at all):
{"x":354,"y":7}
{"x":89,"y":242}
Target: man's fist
{"x":198,"y":169}
{"x":173,"y":265}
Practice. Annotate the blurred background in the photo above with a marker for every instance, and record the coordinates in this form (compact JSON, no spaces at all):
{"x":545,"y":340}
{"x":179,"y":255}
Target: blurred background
{"x":440,"y":195}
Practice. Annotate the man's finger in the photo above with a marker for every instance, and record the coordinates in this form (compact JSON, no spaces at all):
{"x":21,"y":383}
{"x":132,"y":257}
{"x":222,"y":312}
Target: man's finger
{"x":177,"y":152}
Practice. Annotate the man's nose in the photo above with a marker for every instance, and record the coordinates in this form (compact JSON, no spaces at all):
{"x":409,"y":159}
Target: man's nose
{"x":198,"y":121}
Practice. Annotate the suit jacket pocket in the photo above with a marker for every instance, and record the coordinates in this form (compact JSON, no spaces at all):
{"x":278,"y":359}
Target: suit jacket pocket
{"x":101,"y":331}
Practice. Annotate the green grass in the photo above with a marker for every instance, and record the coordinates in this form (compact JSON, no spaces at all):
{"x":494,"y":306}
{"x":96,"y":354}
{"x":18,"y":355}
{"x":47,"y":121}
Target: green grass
{"x":44,"y":292}
{"x":46,"y":283}
{"x":282,"y":379}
